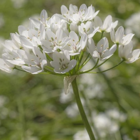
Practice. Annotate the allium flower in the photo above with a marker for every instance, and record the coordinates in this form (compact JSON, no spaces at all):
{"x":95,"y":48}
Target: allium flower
{"x":127,"y":53}
{"x":5,"y":66}
{"x":87,"y":29}
{"x":102,"y":50}
{"x":83,"y":14}
{"x":65,"y":41}
{"x":118,"y":37}
{"x":62,"y":63}
{"x":105,"y":26}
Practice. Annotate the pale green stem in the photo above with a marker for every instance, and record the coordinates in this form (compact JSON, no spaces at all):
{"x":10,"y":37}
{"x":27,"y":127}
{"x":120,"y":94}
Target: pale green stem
{"x":102,"y":63}
{"x":81,"y":110}
{"x":111,"y":67}
{"x":91,"y":68}
{"x":85,"y":61}
{"x":108,"y":69}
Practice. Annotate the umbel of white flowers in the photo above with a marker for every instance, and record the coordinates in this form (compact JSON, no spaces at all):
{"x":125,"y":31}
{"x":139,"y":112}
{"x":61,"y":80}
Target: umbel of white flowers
{"x":64,"y":43}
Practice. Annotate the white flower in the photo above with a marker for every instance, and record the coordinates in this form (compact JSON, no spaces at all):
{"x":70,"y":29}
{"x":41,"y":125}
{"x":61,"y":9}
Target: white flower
{"x":76,"y":44}
{"x":87,"y":29}
{"x":107,"y":25}
{"x":34,"y":60}
{"x":54,"y":41}
{"x":31,"y":37}
{"x":62,"y":63}
{"x":10,"y":53}
{"x":42,"y":20}
{"x":57,"y":22}
{"x":75,"y":16}
{"x":102,"y":50}
{"x":5,"y":66}
{"x":127,"y":53}
{"x":118,"y":37}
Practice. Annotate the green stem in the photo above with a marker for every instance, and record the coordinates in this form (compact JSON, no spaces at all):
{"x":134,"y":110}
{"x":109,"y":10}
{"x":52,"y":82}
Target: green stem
{"x":107,"y":69}
{"x":81,"y":110}
{"x":102,"y":63}
{"x":91,"y":68}
{"x":111,"y":67}
{"x":85,"y":61}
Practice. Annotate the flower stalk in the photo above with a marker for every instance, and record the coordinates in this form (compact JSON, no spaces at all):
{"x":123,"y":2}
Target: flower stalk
{"x":81,"y":110}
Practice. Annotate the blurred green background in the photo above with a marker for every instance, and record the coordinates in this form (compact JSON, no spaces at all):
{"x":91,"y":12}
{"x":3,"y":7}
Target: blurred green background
{"x":31,"y":106}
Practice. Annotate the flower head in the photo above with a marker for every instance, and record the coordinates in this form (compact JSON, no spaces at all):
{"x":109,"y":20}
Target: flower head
{"x":62,"y":44}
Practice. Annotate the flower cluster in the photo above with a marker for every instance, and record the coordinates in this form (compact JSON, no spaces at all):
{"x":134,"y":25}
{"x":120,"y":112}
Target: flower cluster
{"x":64,"y":43}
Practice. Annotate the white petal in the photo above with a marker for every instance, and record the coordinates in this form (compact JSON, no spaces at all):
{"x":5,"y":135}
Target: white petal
{"x":64,"y":10}
{"x":83,"y":41}
{"x":109,"y":52}
{"x":43,"y":63}
{"x":46,"y":45}
{"x":73,"y":8}
{"x":95,"y":54}
{"x":135,"y":55}
{"x":42,"y":32}
{"x":50,"y":34}
{"x":83,"y":7}
{"x":119,"y":34}
{"x":107,"y":22}
{"x":127,"y":39}
{"x":35,"y":22}
{"x":21,"y":29}
{"x":127,"y":50}
{"x":32,"y":69}
{"x":25,"y":42}
{"x":74,"y":36}
{"x":43,"y":16}
{"x":93,"y":33}
{"x":5,"y":66}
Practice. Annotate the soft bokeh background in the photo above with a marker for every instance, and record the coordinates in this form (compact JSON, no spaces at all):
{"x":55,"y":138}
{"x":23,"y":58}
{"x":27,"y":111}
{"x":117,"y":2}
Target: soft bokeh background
{"x":34,"y":107}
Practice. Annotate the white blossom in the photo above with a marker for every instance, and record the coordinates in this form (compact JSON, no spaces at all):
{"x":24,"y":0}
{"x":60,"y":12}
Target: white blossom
{"x":107,"y":25}
{"x":119,"y":37}
{"x":34,"y":60}
{"x":76,"y":44}
{"x":54,"y":41}
{"x":62,"y":63}
{"x":127,"y":53}
{"x":5,"y":66}
{"x":75,"y":16}
{"x":57,"y":22}
{"x":42,"y":20}
{"x":87,"y":29}
{"x":102,"y":50}
{"x":62,"y":42}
